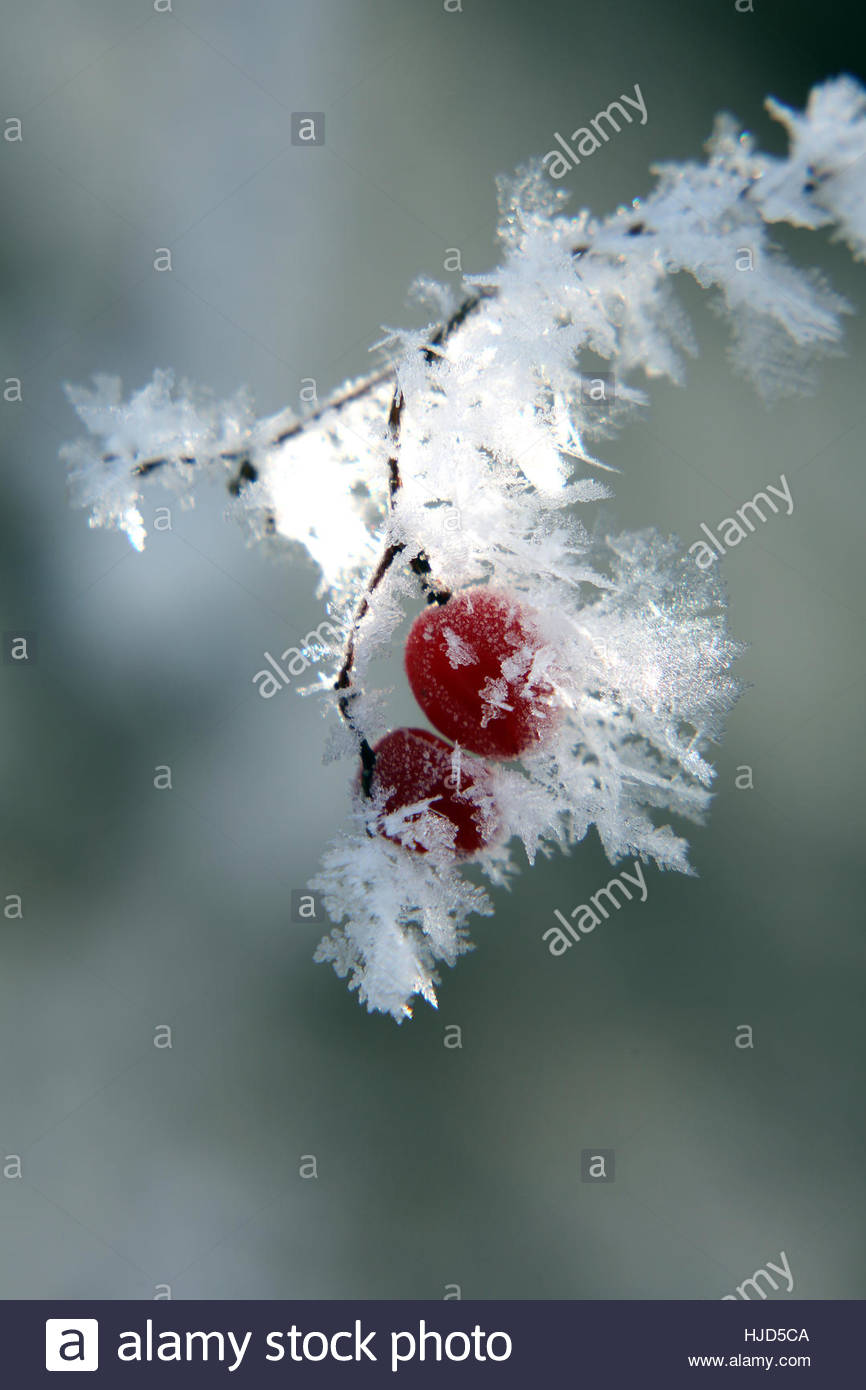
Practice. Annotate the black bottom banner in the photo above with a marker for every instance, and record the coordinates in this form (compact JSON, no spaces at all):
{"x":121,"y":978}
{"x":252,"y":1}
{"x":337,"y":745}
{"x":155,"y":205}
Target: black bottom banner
{"x":503,"y":1344}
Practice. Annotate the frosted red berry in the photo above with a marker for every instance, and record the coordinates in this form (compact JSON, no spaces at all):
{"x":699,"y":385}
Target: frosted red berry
{"x":469,"y":663}
{"x":411,"y":766}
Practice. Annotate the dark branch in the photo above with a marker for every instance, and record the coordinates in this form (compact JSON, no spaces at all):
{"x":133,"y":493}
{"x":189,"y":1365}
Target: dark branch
{"x":457,"y":319}
{"x":419,"y":564}
{"x":247,"y":473}
{"x":334,"y":403}
{"x":344,"y":679}
{"x":395,"y":414}
{"x":363,"y":388}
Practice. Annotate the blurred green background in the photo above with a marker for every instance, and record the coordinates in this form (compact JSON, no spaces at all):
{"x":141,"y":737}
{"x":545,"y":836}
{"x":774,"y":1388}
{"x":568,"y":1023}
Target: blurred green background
{"x":143,"y":1167}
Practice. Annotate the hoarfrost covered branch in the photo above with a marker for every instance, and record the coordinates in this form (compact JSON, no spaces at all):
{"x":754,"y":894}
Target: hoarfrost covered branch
{"x":460,"y":462}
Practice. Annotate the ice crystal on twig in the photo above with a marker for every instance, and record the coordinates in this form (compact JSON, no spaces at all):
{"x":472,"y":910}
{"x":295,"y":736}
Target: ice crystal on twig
{"x":461,"y":462}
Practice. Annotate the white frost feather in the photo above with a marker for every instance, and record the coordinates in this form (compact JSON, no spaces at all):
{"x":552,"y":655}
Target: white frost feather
{"x":493,"y":456}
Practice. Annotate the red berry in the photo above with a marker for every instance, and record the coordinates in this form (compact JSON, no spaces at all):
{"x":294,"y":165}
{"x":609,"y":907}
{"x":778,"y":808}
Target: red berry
{"x":469,"y":664}
{"x":413,"y":766}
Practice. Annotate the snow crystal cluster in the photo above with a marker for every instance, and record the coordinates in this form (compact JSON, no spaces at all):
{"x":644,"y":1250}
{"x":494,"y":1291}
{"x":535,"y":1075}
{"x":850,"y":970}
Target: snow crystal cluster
{"x":461,"y":462}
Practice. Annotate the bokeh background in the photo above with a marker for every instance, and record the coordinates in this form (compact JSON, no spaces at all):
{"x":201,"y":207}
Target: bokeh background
{"x":144,"y":1167}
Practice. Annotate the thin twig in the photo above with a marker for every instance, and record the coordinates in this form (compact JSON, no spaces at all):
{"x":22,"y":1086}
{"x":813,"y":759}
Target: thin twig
{"x":248,"y":473}
{"x":419,"y":564}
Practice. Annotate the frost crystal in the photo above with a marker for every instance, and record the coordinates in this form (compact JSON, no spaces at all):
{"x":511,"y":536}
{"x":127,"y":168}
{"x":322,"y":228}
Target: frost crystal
{"x":461,"y":463}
